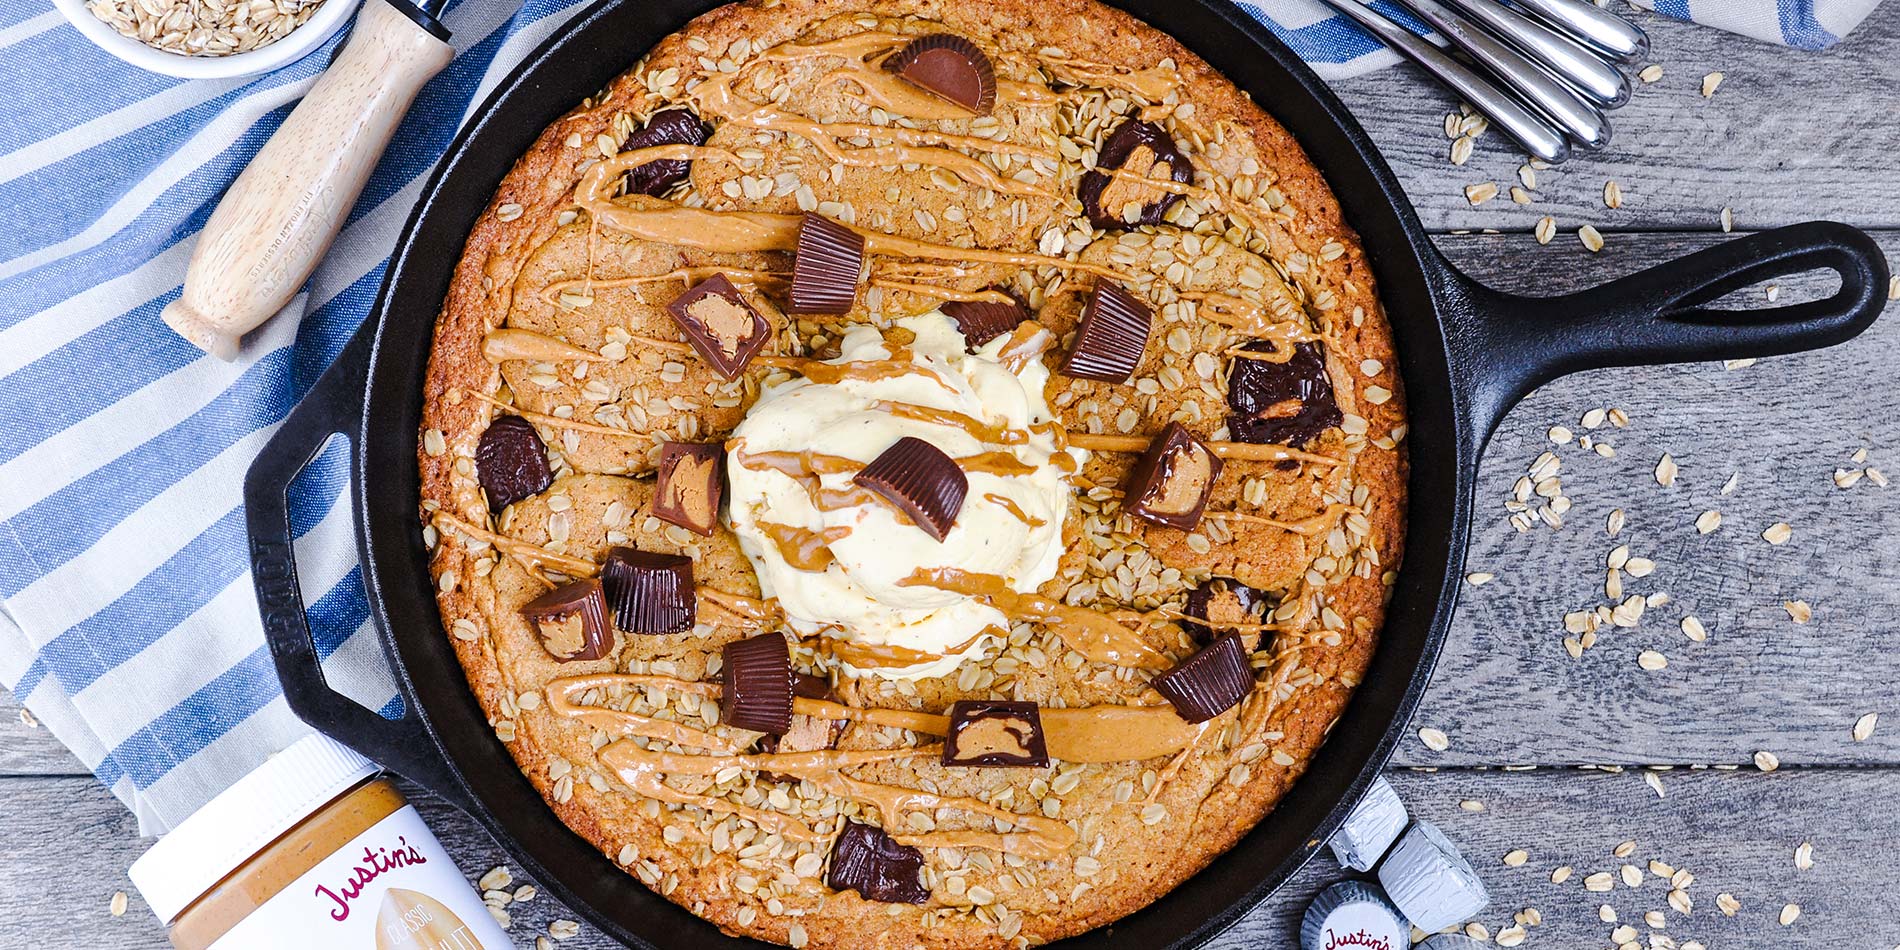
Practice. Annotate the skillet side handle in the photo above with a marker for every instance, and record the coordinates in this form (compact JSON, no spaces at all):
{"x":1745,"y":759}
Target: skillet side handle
{"x":334,"y":406}
{"x":1504,"y":345}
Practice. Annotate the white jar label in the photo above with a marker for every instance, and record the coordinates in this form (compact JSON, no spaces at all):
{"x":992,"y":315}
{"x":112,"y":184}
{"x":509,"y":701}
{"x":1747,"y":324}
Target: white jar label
{"x":392,"y":887}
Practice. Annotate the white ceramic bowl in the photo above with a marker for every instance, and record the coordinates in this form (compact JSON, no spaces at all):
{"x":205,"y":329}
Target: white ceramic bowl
{"x":322,"y":25}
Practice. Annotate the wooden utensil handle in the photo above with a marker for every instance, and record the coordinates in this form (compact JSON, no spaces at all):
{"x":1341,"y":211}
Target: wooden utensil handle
{"x":279,"y":217}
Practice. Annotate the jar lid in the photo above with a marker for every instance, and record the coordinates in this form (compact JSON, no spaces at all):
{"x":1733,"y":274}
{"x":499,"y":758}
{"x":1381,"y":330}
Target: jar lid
{"x":241,"y":820}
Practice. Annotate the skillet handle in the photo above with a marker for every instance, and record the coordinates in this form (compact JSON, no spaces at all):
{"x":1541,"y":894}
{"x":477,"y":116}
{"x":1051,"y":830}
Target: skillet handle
{"x":334,"y":406}
{"x":1504,"y":345}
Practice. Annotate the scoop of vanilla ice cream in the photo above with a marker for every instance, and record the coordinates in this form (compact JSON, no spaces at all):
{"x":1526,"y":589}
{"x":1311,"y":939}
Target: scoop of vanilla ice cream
{"x":860,"y":596}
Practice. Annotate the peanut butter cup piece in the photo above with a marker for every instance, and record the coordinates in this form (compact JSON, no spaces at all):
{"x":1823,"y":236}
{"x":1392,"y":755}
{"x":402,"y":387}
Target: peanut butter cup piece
{"x":572,"y":621}
{"x":1288,"y":402}
{"x":920,"y":481}
{"x":981,"y":321}
{"x":1111,"y":336}
{"x":866,"y":860}
{"x":721,"y":326}
{"x":1220,"y":602}
{"x":1209,"y":682}
{"x":949,"y":67}
{"x":649,"y":592}
{"x":511,"y":462}
{"x":757,"y":684}
{"x":690,"y":485}
{"x":1171,"y":482}
{"x":995,"y":732}
{"x":1115,"y":202}
{"x":807,"y":733}
{"x":826,"y":265}
{"x":666,"y":127}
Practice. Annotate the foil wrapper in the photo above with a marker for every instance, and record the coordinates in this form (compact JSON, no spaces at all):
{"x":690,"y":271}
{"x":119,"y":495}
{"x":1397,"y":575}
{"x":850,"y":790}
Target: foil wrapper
{"x":1374,"y":824}
{"x":1356,"y":915}
{"x":1452,"y":942}
{"x":1432,"y":884}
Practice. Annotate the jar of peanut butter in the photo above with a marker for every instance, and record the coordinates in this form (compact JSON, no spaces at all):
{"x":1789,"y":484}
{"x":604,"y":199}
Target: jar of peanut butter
{"x":312,"y":850}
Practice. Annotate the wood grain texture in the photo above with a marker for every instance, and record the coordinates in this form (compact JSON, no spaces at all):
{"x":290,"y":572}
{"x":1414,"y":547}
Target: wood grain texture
{"x":1736,"y":832}
{"x":1787,"y":137}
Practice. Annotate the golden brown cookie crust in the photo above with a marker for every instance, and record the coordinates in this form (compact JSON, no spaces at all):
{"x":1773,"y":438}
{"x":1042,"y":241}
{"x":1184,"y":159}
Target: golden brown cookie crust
{"x":1131,"y":850}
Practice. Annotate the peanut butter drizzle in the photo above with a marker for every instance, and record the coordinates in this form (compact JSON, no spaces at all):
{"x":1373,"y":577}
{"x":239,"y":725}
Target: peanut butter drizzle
{"x":793,"y":363}
{"x":1307,"y":527}
{"x":1251,"y":319}
{"x":533,"y":556}
{"x":803,"y":548}
{"x":866,"y":656}
{"x":1087,"y":734}
{"x":1001,"y":464}
{"x":1171,"y":613}
{"x":976,"y":428}
{"x":1153,"y":83}
{"x":1246,"y":451}
{"x":1091,"y":633}
{"x":516,"y":344}
{"x":1025,"y":345}
{"x":942,"y":293}
{"x":1009,"y":504}
{"x":754,"y":610}
{"x":734,"y":232}
{"x":556,"y":422}
{"x":742,"y":278}
{"x":795,"y":465}
{"x":865,"y":54}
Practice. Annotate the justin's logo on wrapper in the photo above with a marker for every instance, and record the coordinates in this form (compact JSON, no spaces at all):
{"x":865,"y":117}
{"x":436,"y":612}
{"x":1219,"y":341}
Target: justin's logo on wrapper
{"x":412,"y":921}
{"x":1356,"y":938}
{"x":375,"y":863}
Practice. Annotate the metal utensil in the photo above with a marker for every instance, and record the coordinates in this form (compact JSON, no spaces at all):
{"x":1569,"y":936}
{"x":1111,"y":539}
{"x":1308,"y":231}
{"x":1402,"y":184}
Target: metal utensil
{"x":1569,"y":61}
{"x":1601,"y":30}
{"x":1539,"y":136}
{"x":1580,"y":120}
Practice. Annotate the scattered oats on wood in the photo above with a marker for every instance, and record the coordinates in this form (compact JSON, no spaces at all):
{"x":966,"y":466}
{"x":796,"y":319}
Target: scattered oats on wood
{"x":1734,"y":479}
{"x":1631,"y":874}
{"x":1710,"y":83}
{"x":1511,"y":936}
{"x":1591,"y":238}
{"x":1612,"y":194}
{"x":1727,"y":904}
{"x":1778,"y":533}
{"x":1480,"y":193}
{"x":1516,"y":858}
{"x":1434,"y":739}
{"x":1480,"y":578}
{"x":1600,"y":882}
{"x":117,"y":906}
{"x":1864,"y":726}
{"x":1652,"y":660}
{"x":1739,"y":364}
{"x":1654,"y":781}
{"x":1708,"y":521}
{"x":1789,"y":914}
{"x":1804,"y":856}
{"x":1471,"y":804}
{"x":1767,"y":761}
{"x":1614,"y":523}
{"x":1593,"y":418}
{"x":1651,"y":72}
{"x":1461,"y":150}
{"x":1728,"y":220}
{"x":1693,"y":629}
{"x":1519,"y":195}
{"x":1799,"y":611}
{"x":1893,"y":287}
{"x":1546,"y":229}
{"x":1606,"y":913}
{"x":1560,"y":435}
{"x":1561,"y":875}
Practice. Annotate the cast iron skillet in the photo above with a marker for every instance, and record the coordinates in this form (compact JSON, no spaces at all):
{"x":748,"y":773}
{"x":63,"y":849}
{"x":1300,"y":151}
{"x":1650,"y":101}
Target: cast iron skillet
{"x":1466,"y":352}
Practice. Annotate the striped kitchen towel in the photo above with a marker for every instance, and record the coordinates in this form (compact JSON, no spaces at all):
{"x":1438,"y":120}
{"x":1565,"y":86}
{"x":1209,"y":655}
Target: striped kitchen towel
{"x":127,"y":621}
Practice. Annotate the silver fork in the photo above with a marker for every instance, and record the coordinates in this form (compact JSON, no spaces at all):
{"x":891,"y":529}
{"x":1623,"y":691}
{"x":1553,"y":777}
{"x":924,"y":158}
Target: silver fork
{"x":1545,"y":79}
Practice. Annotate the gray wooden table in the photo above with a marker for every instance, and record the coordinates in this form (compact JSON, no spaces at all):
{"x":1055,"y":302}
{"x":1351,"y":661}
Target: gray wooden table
{"x":1563,"y":759}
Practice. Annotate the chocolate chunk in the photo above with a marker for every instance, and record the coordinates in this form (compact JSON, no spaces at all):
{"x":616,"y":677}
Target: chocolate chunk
{"x":826,"y":266}
{"x":1220,"y":601}
{"x":1111,"y":337}
{"x":1289,"y":402}
{"x":948,"y":66}
{"x":572,"y":621}
{"x":866,"y":860}
{"x":722,"y":327}
{"x":667,"y":127}
{"x":1171,"y":482}
{"x":650,"y":593}
{"x":511,"y":461}
{"x":1140,"y":148}
{"x":757,"y":678}
{"x":690,"y":486}
{"x":920,"y":481}
{"x":981,"y":321}
{"x":1209,"y":682}
{"x":995,"y":732}
{"x":812,"y":687}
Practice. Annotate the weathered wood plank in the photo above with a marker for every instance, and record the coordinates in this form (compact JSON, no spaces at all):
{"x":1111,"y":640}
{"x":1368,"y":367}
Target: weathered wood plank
{"x":1735,"y":831}
{"x":1507,"y":691}
{"x":1789,"y":136}
{"x":28,"y":748}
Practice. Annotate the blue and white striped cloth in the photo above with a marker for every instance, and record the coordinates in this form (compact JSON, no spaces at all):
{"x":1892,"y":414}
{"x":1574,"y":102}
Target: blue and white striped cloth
{"x":127,"y":621}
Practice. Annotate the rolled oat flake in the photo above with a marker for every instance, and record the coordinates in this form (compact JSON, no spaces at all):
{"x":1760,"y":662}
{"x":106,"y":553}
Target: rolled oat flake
{"x":313,"y":850}
{"x":1432,"y":884}
{"x":1374,"y":824}
{"x":1353,"y":915}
